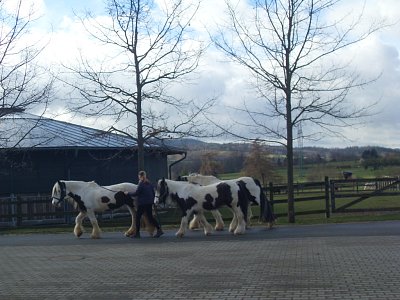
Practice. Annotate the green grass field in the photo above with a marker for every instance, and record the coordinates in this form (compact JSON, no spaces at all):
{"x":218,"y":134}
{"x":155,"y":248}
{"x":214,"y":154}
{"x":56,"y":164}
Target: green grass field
{"x":334,"y":171}
{"x":317,"y":172}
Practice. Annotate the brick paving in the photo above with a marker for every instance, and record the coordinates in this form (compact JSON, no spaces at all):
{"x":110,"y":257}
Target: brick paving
{"x":352,"y":261}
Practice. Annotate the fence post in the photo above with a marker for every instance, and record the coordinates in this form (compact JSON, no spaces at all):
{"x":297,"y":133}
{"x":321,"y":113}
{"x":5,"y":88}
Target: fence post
{"x":271,"y":195}
{"x":333,"y":205}
{"x":327,"y":209}
{"x":19,"y":211}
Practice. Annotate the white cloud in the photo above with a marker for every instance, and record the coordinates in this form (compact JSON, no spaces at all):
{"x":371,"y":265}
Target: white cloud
{"x":377,"y":54}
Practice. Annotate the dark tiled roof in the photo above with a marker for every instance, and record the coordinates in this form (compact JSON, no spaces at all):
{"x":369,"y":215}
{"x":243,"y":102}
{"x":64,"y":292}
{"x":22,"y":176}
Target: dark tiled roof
{"x":23,"y":130}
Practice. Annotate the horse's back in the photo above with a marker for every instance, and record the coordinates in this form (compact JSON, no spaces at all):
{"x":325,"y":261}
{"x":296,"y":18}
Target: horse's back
{"x":123,"y":186}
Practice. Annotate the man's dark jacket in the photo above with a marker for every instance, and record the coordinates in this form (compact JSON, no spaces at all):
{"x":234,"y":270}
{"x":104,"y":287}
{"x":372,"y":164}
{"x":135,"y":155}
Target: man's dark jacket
{"x":144,"y":193}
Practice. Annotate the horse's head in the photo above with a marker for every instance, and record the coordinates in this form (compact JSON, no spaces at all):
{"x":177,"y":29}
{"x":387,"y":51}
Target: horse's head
{"x":162,"y":191}
{"x":58,"y":193}
{"x":182,"y":178}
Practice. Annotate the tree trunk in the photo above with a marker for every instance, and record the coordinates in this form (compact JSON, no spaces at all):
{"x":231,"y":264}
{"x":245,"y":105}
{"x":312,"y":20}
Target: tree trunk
{"x":140,"y":143}
{"x":289,"y":124}
{"x":290,"y":179}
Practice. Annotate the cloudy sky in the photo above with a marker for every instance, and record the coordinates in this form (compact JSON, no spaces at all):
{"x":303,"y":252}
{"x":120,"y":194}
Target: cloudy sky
{"x":379,"y":54}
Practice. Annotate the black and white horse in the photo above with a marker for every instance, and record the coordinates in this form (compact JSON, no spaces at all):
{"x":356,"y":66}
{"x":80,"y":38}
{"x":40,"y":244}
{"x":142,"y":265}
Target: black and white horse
{"x":195,"y":222}
{"x":90,"y":198}
{"x":251,"y":188}
{"x":191,"y":198}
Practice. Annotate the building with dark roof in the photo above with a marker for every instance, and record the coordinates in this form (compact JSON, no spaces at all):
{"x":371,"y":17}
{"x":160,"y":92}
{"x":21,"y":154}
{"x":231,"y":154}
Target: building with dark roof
{"x":35,"y":152}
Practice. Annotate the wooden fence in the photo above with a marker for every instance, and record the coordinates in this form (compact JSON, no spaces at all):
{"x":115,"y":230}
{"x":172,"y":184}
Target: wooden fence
{"x":33,"y":210}
{"x":339,"y":196}
{"x":326,"y":197}
{"x":315,"y":193}
{"x":359,"y":195}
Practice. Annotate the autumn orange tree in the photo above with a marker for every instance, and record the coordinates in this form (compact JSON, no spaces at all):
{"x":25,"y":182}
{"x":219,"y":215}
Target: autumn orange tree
{"x":210,"y":166}
{"x":258,"y":165}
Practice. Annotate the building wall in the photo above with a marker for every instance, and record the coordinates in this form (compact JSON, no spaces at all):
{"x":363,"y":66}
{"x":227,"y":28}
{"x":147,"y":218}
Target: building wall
{"x":36,"y":171}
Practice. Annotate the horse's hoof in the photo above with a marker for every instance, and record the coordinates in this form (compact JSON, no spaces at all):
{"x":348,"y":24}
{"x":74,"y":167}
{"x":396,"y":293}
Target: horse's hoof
{"x":129,"y":233}
{"x":219,"y":228}
{"x":238,"y":233}
{"x":193,"y":226}
{"x":239,"y":230}
{"x":270,"y":225}
{"x":179,"y":235}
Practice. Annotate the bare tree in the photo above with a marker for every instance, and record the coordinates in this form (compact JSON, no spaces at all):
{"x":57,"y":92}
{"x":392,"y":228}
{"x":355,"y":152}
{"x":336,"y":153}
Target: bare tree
{"x":150,"y":49}
{"x":23,"y":83}
{"x":293,"y":55}
{"x":257,"y":164}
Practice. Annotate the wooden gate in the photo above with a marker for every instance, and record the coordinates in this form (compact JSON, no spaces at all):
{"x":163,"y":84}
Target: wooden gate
{"x":352,"y":195}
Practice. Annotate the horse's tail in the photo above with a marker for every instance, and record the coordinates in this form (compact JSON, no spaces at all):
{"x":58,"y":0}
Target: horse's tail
{"x":243,"y":199}
{"x":266,"y":213}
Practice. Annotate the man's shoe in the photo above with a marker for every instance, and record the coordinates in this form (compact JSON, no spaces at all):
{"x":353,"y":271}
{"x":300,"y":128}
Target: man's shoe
{"x":159,"y":233}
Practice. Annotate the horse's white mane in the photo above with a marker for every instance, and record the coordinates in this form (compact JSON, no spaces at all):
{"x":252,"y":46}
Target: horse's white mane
{"x":201,"y":179}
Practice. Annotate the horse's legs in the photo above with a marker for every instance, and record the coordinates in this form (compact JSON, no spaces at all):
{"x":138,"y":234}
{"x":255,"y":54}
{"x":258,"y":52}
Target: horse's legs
{"x":150,"y":228}
{"x":249,"y":216}
{"x":78,"y":229}
{"x":203,"y":221}
{"x":234,"y":222}
{"x":219,"y":223}
{"x":194,"y":224}
{"x":132,"y":230}
{"x":96,"y":229}
{"x":184,"y":223}
{"x":241,"y":224}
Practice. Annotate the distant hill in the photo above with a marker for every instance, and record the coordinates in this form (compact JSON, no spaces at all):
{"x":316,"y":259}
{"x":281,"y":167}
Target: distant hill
{"x":186,"y":144}
{"x":348,"y":153}
{"x":230,"y":157}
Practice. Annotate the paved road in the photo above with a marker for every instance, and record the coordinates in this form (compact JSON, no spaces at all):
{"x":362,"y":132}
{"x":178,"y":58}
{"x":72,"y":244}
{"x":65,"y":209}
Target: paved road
{"x":336,"y":261}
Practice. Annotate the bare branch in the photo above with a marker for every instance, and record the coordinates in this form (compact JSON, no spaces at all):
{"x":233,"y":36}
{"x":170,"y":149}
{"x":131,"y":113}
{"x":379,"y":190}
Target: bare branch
{"x":151,"y":46}
{"x":24,"y":85}
{"x":289,"y":49}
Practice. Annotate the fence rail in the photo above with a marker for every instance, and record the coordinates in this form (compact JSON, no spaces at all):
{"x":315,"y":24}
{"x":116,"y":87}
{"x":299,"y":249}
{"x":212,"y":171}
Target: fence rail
{"x":304,"y":192}
{"x":340,"y":196}
{"x":326,"y":197}
{"x":27,"y":210}
{"x":347,"y":194}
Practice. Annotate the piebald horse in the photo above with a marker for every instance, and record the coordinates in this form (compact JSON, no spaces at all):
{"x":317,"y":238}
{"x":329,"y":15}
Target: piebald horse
{"x":194,"y":223}
{"x":251,"y":188}
{"x":90,"y":198}
{"x":191,"y":198}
